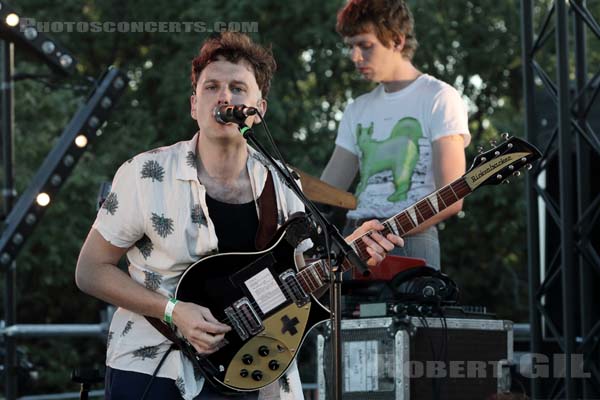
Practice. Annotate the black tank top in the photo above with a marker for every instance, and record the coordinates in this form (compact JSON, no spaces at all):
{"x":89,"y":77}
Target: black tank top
{"x":235,"y":225}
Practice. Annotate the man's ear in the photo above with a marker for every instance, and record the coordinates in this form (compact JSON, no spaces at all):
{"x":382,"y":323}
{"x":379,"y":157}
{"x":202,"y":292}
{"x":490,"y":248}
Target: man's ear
{"x":262,"y":107}
{"x":399,"y":42}
{"x":193,"y":106}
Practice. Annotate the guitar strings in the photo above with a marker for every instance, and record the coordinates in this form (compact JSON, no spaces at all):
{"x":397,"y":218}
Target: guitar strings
{"x":362,"y":246}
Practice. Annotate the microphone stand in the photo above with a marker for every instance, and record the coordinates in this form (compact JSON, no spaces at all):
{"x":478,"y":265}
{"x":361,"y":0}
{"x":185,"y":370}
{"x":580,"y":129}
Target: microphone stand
{"x":341,"y":250}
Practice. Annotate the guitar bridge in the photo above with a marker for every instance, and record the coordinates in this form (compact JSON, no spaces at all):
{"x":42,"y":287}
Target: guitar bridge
{"x":293,"y":288}
{"x":247,"y":316}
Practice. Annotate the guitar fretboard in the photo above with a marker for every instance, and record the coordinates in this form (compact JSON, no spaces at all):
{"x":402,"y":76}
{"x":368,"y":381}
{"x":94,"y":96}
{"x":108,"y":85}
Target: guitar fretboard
{"x":314,"y":276}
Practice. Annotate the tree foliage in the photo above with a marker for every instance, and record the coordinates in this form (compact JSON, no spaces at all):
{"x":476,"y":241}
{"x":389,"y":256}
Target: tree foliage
{"x":473,"y":45}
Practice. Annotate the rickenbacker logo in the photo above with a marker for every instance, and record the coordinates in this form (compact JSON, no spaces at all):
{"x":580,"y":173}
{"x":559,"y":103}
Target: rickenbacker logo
{"x":475,"y":177}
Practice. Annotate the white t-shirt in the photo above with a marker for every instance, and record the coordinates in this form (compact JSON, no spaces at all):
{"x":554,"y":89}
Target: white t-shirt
{"x":157,"y":209}
{"x":392,"y":134}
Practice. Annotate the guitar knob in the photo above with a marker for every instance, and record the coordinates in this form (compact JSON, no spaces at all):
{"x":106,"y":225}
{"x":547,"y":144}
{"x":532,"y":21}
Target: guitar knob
{"x":263,"y":351}
{"x":505,"y":136}
{"x":528,"y":166}
{"x":479,"y":149}
{"x":257,"y":375}
{"x":273,"y":365}
{"x":247,"y":359}
{"x":493,"y":143}
{"x":244,"y":373}
{"x":517,"y":173}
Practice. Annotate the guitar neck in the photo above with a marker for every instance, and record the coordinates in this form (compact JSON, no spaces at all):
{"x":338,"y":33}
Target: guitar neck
{"x":314,"y":276}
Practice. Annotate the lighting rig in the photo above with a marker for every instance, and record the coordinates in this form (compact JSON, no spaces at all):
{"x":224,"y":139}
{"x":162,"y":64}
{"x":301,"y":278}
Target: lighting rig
{"x":24,"y":33}
{"x":59,"y":163}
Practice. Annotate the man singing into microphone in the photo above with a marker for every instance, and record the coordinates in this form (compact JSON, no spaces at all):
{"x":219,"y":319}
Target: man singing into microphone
{"x":171,"y":206}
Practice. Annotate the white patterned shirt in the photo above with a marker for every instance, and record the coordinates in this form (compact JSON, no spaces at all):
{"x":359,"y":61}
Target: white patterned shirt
{"x":157,"y":209}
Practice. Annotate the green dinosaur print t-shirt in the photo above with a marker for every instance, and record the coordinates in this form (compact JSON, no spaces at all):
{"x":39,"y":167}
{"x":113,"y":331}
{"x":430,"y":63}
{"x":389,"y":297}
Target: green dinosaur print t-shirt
{"x":392,"y":135}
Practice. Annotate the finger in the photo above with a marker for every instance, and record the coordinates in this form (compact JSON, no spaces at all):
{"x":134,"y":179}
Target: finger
{"x":212,"y":324}
{"x":375,"y":225}
{"x":214,"y":328}
{"x":372,"y":245}
{"x":206,"y":341}
{"x":208,"y":316}
{"x":212,"y":341}
{"x":383,"y":242}
{"x":397,"y":240}
{"x":375,"y":258}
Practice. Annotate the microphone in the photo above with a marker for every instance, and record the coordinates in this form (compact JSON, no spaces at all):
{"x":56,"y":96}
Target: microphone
{"x":233,"y":113}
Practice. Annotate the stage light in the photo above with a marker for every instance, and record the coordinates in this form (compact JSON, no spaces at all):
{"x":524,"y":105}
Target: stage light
{"x":18,"y":239}
{"x":68,"y":160}
{"x":56,"y":180}
{"x":30,"y":33}
{"x":81,"y":141}
{"x":5,"y":258}
{"x":12,"y":20}
{"x":48,"y":47}
{"x":66,"y":60}
{"x":59,"y":163}
{"x":43,"y":199}
{"x":106,"y":102}
{"x":94,"y":122}
{"x":16,"y":28}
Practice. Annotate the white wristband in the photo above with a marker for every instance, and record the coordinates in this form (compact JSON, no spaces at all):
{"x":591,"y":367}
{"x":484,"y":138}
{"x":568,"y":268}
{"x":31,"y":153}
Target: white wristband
{"x":169,"y":310}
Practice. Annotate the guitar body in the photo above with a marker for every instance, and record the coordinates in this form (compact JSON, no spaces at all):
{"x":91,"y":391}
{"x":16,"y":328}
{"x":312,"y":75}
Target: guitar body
{"x":248,"y":292}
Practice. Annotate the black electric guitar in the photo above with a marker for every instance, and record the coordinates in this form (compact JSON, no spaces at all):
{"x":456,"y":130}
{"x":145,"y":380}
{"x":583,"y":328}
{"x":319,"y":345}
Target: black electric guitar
{"x":269,"y":303}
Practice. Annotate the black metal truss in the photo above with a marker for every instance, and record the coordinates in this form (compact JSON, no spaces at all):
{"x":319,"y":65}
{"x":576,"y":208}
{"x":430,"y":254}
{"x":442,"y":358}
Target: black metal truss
{"x":571,"y":149}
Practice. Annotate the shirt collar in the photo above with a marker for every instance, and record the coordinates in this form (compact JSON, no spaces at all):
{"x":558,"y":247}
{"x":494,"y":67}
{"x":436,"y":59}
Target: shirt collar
{"x":187,"y":165}
{"x":187,"y":169}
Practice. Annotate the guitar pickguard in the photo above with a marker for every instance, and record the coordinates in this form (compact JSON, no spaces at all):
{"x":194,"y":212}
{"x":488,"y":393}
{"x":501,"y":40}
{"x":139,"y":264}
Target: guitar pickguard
{"x":265,"y":357}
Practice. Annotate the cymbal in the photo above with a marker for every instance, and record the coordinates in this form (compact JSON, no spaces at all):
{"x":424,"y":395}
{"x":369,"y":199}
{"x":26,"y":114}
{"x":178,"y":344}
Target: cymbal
{"x":321,"y":192}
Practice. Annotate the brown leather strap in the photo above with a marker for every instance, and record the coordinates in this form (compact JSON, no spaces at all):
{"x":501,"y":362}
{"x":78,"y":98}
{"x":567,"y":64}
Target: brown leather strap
{"x":267,"y":219}
{"x":165,"y":330}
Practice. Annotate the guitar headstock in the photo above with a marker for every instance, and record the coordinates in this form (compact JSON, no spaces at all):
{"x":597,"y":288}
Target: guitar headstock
{"x":503,"y":161}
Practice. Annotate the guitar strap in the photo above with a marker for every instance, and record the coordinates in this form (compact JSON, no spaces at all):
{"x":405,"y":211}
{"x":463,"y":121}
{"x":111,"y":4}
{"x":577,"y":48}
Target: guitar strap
{"x":267,"y":217}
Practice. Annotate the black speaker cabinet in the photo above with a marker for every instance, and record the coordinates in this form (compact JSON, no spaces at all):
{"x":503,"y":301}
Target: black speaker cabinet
{"x":418,"y":358}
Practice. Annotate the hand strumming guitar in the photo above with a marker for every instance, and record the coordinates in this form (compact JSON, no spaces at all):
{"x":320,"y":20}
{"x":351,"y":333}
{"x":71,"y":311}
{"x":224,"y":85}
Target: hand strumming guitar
{"x":199,"y":327}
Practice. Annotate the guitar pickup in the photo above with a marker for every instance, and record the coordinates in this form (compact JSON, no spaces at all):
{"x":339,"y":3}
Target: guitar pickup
{"x":235,"y":322}
{"x":293,"y":288}
{"x":248,"y":317}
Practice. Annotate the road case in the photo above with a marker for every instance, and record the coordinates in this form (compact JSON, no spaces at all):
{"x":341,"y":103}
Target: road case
{"x":415,"y":358}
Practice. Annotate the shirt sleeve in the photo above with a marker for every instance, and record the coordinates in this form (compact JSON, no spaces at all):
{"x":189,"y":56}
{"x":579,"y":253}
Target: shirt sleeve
{"x":119,"y":219}
{"x":345,"y":136}
{"x":449,"y":115}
